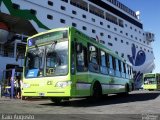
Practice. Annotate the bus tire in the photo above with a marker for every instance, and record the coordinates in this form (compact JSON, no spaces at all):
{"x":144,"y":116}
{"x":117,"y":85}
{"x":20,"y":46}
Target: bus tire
{"x":151,"y":89}
{"x":126,"y":89}
{"x":56,"y":100}
{"x":132,"y":86}
{"x":126,"y":92}
{"x":97,"y":90}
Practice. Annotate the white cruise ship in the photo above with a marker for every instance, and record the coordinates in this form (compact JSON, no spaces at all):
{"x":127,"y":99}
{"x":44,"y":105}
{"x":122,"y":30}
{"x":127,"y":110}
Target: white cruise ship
{"x":109,"y":21}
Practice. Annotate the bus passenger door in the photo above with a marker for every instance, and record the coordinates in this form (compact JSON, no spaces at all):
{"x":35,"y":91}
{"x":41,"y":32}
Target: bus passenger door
{"x":82,"y":85}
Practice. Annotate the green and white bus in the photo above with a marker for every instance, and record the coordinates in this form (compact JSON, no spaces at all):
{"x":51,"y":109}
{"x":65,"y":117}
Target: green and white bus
{"x":151,"y":81}
{"x":65,"y":63}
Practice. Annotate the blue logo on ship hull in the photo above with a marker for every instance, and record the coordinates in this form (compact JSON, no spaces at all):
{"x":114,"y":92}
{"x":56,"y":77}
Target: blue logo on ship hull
{"x":137,"y":58}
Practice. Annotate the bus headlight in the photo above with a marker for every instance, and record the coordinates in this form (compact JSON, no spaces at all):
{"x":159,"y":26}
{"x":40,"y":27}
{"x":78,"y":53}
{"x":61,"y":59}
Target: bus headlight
{"x":26,"y":85}
{"x":63,"y":84}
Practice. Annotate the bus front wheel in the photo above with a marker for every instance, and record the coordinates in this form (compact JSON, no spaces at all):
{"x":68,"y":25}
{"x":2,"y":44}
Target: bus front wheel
{"x":56,"y":100}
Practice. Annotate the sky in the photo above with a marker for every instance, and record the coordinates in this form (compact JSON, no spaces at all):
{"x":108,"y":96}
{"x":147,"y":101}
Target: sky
{"x":150,"y":17}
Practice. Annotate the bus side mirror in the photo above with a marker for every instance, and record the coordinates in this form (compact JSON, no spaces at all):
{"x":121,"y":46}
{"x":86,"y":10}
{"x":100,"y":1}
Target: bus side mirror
{"x":79,"y":47}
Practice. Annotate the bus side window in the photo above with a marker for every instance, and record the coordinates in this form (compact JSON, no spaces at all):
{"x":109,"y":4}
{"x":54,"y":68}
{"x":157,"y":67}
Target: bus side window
{"x":127,"y":75}
{"x":114,"y":64}
{"x":72,"y":58}
{"x":103,"y":63}
{"x":159,"y":78}
{"x":85,"y":57}
{"x":82,"y":59}
{"x":111,"y":70}
{"x":130,"y":72}
{"x":120,"y":68}
{"x":117,"y":71}
{"x":93,"y":59}
{"x":124,"y":68}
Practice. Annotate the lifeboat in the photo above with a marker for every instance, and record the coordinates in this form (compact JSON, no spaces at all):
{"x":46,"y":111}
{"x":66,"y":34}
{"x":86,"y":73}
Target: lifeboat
{"x":4,"y":32}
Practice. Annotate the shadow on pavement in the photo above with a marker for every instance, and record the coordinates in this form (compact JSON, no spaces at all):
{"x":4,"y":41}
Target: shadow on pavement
{"x":109,"y":100}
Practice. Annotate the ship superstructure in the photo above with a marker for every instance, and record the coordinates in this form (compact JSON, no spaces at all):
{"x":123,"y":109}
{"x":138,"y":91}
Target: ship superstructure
{"x":108,"y":21}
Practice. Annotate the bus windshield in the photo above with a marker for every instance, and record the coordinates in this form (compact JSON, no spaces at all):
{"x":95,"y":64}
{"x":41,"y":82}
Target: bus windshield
{"x":47,"y":60}
{"x":149,"y":80}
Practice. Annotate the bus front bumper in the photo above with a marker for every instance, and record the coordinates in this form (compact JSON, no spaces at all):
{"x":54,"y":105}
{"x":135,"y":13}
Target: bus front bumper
{"x":58,"y":92}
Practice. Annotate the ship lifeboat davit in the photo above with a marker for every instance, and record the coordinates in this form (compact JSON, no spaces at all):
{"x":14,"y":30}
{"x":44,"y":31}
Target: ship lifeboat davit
{"x":3,"y":33}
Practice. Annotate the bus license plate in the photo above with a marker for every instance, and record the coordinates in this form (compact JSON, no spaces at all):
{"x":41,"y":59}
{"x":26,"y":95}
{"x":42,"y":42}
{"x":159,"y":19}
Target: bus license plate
{"x":41,"y":94}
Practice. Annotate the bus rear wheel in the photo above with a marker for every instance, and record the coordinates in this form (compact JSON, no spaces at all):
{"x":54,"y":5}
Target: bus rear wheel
{"x":97,"y":91}
{"x":126,"y":90}
{"x":56,"y":100}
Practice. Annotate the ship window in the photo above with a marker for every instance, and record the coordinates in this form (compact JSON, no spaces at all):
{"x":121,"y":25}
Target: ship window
{"x":121,"y":41}
{"x":109,"y":36}
{"x":50,"y":17}
{"x":84,"y":28}
{"x":63,"y":8}
{"x":140,"y":40}
{"x":136,"y":38}
{"x":131,"y":36}
{"x":101,"y":23}
{"x":84,"y":16}
{"x":65,"y":1}
{"x":139,"y":32}
{"x":50,"y":3}
{"x":131,"y":28}
{"x":135,"y":29}
{"x":93,"y":31}
{"x":102,"y":34}
{"x":110,"y":44}
{"x":16,"y":6}
{"x":127,"y":43}
{"x":120,"y":23}
{"x":62,"y":21}
{"x":108,"y":26}
{"x":96,"y":11}
{"x":126,"y":34}
{"x":115,"y":39}
{"x":126,"y":25}
{"x":116,"y":52}
{"x":122,"y":55}
{"x":74,"y":12}
{"x":101,"y":41}
{"x":115,"y":29}
{"x":74,"y":24}
{"x":93,"y":20}
{"x":121,"y":31}
{"x":33,"y":12}
{"x":111,"y":18}
{"x":80,"y":4}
